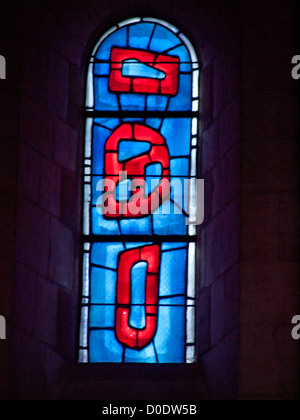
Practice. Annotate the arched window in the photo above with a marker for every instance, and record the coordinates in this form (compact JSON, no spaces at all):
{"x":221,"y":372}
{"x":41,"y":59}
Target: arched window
{"x":140,"y":169}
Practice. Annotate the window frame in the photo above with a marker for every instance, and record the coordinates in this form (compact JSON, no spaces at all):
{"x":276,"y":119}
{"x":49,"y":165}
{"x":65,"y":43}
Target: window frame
{"x":194,"y":114}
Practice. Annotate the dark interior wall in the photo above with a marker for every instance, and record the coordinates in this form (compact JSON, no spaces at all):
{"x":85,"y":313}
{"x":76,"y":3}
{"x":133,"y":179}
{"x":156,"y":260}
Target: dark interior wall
{"x":47,"y":53}
{"x":269,"y":281}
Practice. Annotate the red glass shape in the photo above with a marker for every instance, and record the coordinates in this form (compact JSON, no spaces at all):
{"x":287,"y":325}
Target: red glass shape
{"x":168,"y":64}
{"x":126,"y":334}
{"x":141,"y":204}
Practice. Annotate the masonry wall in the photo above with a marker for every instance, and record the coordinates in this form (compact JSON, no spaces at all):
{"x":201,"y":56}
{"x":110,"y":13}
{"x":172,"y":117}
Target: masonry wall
{"x":243,"y":324}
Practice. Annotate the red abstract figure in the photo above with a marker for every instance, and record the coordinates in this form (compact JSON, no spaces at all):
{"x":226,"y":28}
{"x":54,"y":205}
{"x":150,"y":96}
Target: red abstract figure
{"x":141,"y":203}
{"x":127,"y":335}
{"x":167,"y":64}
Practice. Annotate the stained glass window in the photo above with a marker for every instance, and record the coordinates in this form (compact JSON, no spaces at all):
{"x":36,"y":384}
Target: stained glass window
{"x":139,"y":242}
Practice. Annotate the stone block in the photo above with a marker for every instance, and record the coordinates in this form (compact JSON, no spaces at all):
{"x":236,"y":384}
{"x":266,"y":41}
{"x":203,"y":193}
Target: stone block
{"x":70,"y":199}
{"x":61,"y":266}
{"x":226,"y":180}
{"x":25,"y":298}
{"x":210,"y":148}
{"x":29,"y":173}
{"x":229,"y":126}
{"x":217,"y":312}
{"x":67,"y":323}
{"x":58,"y":85}
{"x":203,"y":321}
{"x":219,"y":83}
{"x":46,"y":312}
{"x":221,"y":243}
{"x":37,"y":127}
{"x":231,"y":298}
{"x":65,"y":146}
{"x":50,"y":189}
{"x":32,"y":242}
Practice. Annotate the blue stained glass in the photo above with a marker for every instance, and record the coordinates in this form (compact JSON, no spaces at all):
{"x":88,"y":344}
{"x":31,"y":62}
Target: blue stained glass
{"x":102,"y":316}
{"x":184,"y":56}
{"x":168,"y":345}
{"x":123,"y":190}
{"x":106,"y":254}
{"x":103,"y":286}
{"x":101,"y":226}
{"x":180,"y":193}
{"x":104,"y":347}
{"x":177,"y":133}
{"x":139,"y":35}
{"x":154,"y":122}
{"x":136,"y":226}
{"x":179,"y":167}
{"x":163,"y":39}
{"x":152,"y":183}
{"x":134,"y":68}
{"x":109,"y":123}
{"x":137,"y":317}
{"x":146,"y":355}
{"x":101,"y":69}
{"x":169,"y":246}
{"x":154,"y":169}
{"x":183,"y":100}
{"x":132,"y":245}
{"x":138,"y":283}
{"x":101,"y":134}
{"x":157,"y":103}
{"x":104,"y":100}
{"x":169,"y":340}
{"x":97,"y":188}
{"x":132,"y":102}
{"x":118,"y":38}
{"x":140,"y":120}
{"x":173,"y":270}
{"x":167,"y":222}
{"x":129,"y":149}
{"x":173,"y":301}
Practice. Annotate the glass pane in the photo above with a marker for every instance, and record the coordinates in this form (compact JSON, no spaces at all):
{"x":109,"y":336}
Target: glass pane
{"x":163,"y":39}
{"x":117,"y":38}
{"x":185,"y":59}
{"x":146,"y":355}
{"x":183,"y":100}
{"x":138,"y":302}
{"x":104,"y":347}
{"x":108,"y":285}
{"x":104,"y":100}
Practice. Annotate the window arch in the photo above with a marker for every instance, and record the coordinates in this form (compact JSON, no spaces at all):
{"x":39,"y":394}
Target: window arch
{"x":140,"y":167}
